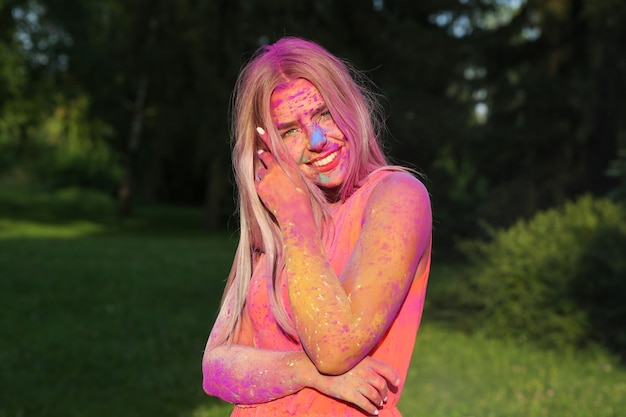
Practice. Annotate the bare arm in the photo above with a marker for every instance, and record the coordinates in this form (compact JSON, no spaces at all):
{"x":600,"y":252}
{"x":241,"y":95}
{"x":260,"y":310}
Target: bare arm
{"x":341,"y":318}
{"x":246,"y":375}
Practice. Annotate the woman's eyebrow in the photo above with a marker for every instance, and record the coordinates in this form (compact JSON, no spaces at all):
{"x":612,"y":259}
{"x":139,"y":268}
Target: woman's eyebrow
{"x":293,"y":123}
{"x":322,"y":108}
{"x":285,"y":125}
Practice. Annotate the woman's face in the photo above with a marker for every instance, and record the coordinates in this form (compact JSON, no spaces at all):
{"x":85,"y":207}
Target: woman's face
{"x":310,"y":134}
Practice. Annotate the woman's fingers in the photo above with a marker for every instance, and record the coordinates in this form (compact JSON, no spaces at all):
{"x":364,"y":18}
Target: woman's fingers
{"x":374,"y":396}
{"x":277,"y":183}
{"x":363,"y":403}
{"x":375,"y":377}
{"x":266,"y":157}
{"x":384,"y":370}
{"x":365,"y":386}
{"x":261,"y":173}
{"x":378,"y":377}
{"x":263,"y":136}
{"x":267,"y":162}
{"x":364,"y":398}
{"x":261,"y":132}
{"x":379,"y":385}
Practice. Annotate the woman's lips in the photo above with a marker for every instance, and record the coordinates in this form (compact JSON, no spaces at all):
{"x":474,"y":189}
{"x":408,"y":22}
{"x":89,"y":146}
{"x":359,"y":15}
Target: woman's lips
{"x":328,"y":162}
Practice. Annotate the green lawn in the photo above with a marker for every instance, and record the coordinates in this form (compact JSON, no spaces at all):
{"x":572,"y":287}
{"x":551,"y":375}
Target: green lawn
{"x":103,"y":318}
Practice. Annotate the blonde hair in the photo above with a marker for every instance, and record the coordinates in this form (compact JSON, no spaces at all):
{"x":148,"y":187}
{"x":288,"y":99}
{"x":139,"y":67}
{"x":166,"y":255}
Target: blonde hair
{"x":356,"y":112}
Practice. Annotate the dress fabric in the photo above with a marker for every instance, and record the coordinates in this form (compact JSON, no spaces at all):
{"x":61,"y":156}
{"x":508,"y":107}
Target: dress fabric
{"x":395,"y":348}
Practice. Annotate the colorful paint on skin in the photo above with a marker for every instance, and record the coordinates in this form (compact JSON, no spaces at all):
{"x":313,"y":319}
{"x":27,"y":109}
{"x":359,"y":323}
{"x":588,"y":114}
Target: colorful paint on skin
{"x":353,"y":300}
{"x":310,"y":134}
{"x":324,"y":179}
{"x":317,"y":137}
{"x":384,"y":276}
{"x":384,"y":293}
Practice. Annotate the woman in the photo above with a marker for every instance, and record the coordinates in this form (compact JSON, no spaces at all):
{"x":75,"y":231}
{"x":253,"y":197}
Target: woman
{"x":325,"y":296}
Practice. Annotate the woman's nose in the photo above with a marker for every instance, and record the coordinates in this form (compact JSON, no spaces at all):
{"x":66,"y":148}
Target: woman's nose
{"x":317,"y":139}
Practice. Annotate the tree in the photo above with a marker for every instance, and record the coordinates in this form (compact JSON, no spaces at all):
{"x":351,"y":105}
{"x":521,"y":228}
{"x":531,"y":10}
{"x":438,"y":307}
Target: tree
{"x":553,"y":100}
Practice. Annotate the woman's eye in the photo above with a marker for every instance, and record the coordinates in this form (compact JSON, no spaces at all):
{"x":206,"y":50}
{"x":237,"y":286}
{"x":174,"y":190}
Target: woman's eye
{"x":288,"y":132}
{"x":326,"y":119}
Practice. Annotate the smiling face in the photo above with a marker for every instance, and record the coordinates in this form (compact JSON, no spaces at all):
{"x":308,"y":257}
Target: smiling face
{"x":310,"y":134}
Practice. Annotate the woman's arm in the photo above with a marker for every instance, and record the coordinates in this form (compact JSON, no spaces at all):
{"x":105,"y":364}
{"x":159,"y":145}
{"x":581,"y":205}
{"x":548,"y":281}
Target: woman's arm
{"x":246,"y":375}
{"x":340,"y":319}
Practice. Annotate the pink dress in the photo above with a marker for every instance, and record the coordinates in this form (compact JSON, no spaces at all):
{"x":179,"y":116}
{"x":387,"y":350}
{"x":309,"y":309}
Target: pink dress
{"x":395,"y":348}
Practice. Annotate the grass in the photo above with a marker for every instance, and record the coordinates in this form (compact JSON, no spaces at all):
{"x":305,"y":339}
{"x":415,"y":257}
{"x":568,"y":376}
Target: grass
{"x":457,"y":375}
{"x":101,"y":325}
{"x":102,"y":318}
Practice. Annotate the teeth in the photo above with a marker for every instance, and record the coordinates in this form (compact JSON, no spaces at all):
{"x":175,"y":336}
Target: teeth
{"x":326,"y":160}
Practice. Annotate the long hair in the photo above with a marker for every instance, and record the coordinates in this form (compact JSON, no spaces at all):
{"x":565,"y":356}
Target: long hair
{"x":358,"y":115}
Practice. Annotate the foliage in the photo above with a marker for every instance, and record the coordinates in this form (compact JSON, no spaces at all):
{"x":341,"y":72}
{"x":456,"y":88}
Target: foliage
{"x":557,"y":280}
{"x":110,"y":320}
{"x":73,"y":148}
{"x":62,"y":147}
{"x":551,"y":78}
{"x":490,"y":99}
{"x":71,"y":212}
{"x":117,"y":324}
{"x":15,"y":106}
{"x":47,"y":134}
{"x":617,"y":170}
{"x":57,"y":205}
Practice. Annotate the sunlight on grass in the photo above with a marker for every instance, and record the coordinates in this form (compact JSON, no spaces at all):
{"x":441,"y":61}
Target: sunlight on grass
{"x":453,"y":374}
{"x":457,"y":375}
{"x":110,"y":318}
{"x":223,"y":410}
{"x":10,"y":228}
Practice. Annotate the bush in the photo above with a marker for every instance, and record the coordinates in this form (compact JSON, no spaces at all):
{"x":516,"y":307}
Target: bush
{"x":55,"y":205}
{"x":557,"y":280}
{"x":61,"y":146}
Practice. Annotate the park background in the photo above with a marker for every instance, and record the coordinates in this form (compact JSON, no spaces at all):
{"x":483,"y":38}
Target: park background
{"x":116,"y":195}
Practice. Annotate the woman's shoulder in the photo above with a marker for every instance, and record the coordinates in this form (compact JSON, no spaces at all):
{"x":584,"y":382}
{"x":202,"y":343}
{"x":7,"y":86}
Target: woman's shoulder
{"x":401,"y":189}
{"x":399,"y":181}
{"x":384,"y":186}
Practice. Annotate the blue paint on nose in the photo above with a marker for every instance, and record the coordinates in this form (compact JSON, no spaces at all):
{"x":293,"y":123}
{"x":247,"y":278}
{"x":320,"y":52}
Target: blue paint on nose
{"x":317,"y":137}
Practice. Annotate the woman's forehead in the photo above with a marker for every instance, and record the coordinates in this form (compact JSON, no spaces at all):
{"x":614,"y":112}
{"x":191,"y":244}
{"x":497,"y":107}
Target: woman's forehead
{"x":297,"y":94}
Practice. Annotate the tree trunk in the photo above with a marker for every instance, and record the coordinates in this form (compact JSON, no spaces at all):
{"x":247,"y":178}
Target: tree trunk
{"x":125,"y":192}
{"x":223,"y":13}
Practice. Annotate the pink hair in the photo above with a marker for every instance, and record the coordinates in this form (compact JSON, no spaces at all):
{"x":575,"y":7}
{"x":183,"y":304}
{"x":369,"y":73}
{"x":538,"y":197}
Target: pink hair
{"x":353,"y":106}
{"x":357,"y":114}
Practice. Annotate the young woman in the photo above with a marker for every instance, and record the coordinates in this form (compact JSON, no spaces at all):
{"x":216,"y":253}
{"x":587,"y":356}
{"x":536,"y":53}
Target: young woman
{"x":322,"y":306}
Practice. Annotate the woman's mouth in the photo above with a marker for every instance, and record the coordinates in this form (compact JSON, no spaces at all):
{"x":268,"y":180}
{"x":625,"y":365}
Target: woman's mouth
{"x":322,"y":163}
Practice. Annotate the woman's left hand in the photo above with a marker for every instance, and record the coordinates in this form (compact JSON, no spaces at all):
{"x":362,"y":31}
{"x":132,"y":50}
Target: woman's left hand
{"x":365,"y":386}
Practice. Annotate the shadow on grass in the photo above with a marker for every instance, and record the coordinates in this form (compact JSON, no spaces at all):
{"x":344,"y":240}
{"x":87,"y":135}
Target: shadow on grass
{"x":97,"y":326}
{"x":112,"y":318}
{"x":95,"y":214}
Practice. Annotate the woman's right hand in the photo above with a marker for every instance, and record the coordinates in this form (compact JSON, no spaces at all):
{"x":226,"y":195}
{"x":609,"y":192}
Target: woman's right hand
{"x":280,"y":193}
{"x":366,"y":385}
